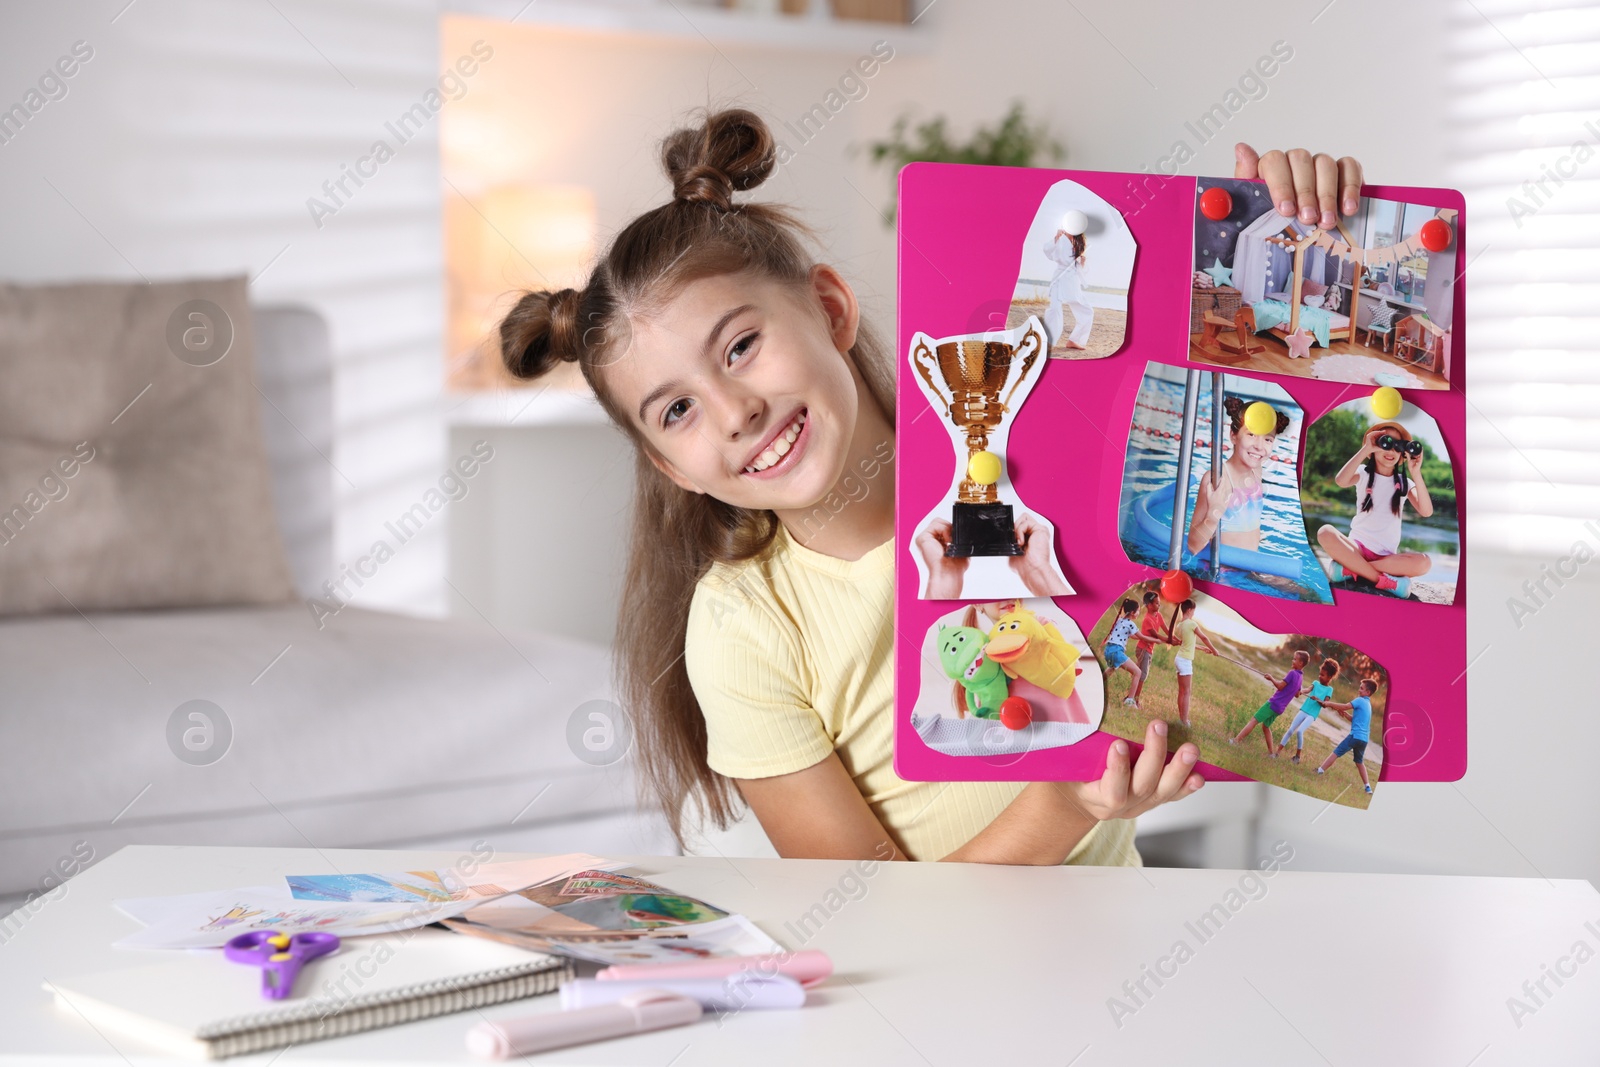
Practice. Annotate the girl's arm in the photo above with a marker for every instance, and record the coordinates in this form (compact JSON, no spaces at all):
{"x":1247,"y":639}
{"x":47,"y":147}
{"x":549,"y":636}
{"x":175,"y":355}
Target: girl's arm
{"x":1209,"y":504}
{"x":1420,"y":500}
{"x":818,"y":813}
{"x":1351,"y":471}
{"x":945,"y":574}
{"x":1035,"y":567}
{"x":1047,"y":819}
{"x":1204,"y":640}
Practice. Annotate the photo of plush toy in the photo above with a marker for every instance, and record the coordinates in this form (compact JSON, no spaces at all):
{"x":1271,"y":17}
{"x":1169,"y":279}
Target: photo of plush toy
{"x":983,"y":682}
{"x":1006,"y":677}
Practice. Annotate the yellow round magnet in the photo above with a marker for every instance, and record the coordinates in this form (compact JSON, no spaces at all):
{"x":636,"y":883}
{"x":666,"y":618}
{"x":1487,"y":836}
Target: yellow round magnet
{"x":984,"y":468}
{"x":1386,"y":402}
{"x":1260,"y":418}
{"x":279,"y":941}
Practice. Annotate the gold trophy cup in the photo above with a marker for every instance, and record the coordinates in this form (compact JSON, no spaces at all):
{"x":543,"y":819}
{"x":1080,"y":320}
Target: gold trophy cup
{"x":969,"y":376}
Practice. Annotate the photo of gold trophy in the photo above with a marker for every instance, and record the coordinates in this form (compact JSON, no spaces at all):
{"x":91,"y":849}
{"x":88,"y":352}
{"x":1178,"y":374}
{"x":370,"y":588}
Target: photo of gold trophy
{"x":976,"y":378}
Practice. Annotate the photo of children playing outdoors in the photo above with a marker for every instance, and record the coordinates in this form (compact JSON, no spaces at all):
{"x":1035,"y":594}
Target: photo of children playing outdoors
{"x":1006,"y":677}
{"x":1216,"y":680}
{"x":1379,"y":497}
{"x":1369,"y":301}
{"x":1077,"y":265}
{"x":1253,"y":508}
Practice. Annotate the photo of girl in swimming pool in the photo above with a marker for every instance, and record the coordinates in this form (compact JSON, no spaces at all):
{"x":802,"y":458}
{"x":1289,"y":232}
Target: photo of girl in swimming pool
{"x":1237,"y":441}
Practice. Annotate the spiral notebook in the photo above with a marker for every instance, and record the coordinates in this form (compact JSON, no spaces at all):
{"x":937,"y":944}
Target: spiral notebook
{"x":206,"y":1007}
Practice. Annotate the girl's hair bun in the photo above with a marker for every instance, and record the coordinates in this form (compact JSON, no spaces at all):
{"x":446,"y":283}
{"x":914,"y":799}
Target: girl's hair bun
{"x":1235,"y":407}
{"x":540,"y":331}
{"x":732,"y":151}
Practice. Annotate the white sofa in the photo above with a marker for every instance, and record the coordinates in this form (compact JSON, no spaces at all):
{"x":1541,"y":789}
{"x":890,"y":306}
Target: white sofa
{"x":376,"y":730}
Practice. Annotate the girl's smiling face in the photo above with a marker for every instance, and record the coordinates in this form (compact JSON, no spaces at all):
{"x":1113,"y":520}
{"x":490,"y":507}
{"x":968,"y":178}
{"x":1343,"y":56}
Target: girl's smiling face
{"x":1252,"y":449}
{"x":742,"y":387}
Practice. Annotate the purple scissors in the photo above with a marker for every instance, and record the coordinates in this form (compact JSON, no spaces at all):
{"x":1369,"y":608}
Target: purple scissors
{"x":279,"y":956}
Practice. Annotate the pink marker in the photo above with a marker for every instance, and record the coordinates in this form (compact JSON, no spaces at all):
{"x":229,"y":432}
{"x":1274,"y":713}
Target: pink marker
{"x":650,"y":1009}
{"x":808,"y":967}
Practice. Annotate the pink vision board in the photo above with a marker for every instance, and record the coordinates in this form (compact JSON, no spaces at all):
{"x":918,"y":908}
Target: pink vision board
{"x":961,"y":234}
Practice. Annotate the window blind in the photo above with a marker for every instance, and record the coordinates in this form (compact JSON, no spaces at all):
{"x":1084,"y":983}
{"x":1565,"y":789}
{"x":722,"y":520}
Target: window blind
{"x":1524,"y":134}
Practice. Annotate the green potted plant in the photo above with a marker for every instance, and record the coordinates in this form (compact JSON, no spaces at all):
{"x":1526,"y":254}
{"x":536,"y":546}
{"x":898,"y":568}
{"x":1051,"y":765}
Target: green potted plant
{"x":1012,"y":142}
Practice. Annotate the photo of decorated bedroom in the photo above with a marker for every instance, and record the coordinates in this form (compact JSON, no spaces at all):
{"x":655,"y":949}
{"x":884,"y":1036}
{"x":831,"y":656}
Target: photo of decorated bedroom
{"x":1369,"y":301}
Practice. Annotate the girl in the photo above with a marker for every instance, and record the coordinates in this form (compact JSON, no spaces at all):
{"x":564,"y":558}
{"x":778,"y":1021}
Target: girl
{"x":1184,"y":635}
{"x":1372,"y":550}
{"x":1319,"y":690}
{"x":1235,"y":502}
{"x":1152,"y":628}
{"x":756,"y":642}
{"x":1115,"y":648}
{"x":1066,"y":250}
{"x":1285,"y":689}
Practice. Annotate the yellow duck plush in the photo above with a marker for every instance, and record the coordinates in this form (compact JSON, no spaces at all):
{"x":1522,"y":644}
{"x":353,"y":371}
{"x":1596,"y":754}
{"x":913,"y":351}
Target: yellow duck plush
{"x":1035,"y":651}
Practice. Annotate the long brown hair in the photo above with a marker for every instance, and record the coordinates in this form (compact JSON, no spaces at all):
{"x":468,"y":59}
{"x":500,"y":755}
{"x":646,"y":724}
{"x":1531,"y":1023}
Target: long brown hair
{"x":677,"y":535}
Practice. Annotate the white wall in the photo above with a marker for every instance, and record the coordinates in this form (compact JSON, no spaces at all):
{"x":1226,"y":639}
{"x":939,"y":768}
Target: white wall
{"x":189,"y":145}
{"x":571,"y":106}
{"x":516,"y":520}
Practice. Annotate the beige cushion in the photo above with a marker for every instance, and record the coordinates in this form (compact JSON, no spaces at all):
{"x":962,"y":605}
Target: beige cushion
{"x":130,"y":477}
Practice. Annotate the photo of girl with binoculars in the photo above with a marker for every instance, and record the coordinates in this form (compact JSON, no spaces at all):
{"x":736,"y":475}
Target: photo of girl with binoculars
{"x":1360,"y":476}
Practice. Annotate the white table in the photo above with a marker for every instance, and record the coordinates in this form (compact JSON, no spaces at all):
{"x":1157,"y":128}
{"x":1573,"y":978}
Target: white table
{"x":971,"y":965}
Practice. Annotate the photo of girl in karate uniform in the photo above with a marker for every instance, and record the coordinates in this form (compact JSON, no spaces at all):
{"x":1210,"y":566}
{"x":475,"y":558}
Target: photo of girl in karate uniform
{"x":1069,"y":253}
{"x":1074,"y":270}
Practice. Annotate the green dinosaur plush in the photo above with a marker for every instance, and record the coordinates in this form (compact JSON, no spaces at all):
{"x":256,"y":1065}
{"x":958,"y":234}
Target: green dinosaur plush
{"x":962,"y":657}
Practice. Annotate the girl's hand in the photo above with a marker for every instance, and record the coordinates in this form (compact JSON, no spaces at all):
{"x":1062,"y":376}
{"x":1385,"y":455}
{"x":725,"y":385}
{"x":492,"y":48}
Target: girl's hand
{"x":1369,"y":442}
{"x":945,"y":573}
{"x":1414,"y":466}
{"x":1217,"y":495}
{"x":1319,"y":184}
{"x":1033,"y":566}
{"x":1121,"y":793}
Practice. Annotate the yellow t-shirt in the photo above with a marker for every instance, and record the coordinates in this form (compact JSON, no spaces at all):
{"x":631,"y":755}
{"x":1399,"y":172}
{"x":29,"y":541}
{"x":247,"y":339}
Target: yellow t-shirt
{"x":1186,"y":630}
{"x":791,"y":657}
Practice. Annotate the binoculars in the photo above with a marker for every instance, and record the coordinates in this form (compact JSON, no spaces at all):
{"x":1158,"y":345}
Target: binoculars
{"x":1391,"y":443}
